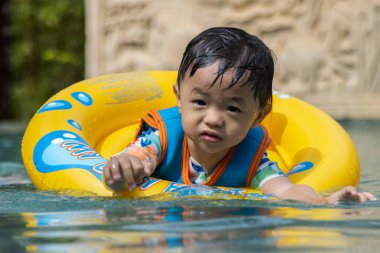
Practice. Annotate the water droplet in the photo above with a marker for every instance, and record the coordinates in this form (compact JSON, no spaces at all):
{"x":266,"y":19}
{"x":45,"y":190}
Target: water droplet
{"x":83,"y":98}
{"x":55,"y":105}
{"x":74,"y":124}
{"x":303,"y":166}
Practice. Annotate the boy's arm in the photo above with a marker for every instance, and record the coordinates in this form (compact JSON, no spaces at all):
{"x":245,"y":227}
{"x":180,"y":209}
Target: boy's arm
{"x":271,"y":180}
{"x":283,"y":188}
{"x":137,"y":161}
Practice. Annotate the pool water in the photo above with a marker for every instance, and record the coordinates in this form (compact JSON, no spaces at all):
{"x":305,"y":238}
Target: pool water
{"x":33,"y":221}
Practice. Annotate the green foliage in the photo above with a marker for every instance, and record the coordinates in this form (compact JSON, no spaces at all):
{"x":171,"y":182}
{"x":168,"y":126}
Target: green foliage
{"x":47,"y":51}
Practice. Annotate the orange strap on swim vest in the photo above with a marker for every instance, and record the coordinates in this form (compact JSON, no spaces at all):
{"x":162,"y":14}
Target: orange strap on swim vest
{"x":264,"y":144}
{"x":153,"y":119}
{"x":217,"y":173}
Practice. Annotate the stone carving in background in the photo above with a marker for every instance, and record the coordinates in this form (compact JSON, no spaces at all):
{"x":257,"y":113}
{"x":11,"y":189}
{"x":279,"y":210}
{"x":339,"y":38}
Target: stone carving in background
{"x":327,"y":51}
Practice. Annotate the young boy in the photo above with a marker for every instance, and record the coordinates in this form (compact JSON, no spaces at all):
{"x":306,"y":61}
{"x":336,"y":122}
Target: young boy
{"x":223,"y":90}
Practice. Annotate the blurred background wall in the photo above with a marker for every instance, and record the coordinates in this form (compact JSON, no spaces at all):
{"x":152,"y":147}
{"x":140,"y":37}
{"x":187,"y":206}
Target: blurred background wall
{"x":327,"y":50}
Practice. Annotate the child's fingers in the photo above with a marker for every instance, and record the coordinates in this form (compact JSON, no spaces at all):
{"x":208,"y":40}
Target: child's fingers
{"x":107,"y":174}
{"x":138,"y":168}
{"x":350,"y":190}
{"x":141,"y":168}
{"x":115,"y":169}
{"x":369,"y":196}
{"x":129,"y":169}
{"x":364,"y":196}
{"x":111,"y":184}
{"x":353,"y":194}
{"x":128,"y":176}
{"x":149,"y":168}
{"x":355,"y":197}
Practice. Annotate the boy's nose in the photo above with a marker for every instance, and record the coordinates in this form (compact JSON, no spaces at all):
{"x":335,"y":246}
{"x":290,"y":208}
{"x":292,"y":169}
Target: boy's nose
{"x":214,"y":118}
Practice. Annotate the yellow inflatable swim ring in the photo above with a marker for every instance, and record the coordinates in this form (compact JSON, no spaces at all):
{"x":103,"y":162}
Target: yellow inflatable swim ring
{"x":68,"y":140}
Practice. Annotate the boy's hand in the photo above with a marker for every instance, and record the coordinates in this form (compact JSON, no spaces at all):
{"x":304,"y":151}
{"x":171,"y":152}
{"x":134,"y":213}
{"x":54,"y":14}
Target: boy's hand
{"x":126,"y":170}
{"x":349,"y":193}
{"x":283,"y":188}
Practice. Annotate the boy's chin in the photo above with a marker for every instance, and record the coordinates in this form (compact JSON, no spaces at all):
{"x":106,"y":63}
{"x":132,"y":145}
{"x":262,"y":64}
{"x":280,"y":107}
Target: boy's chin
{"x":214,"y":149}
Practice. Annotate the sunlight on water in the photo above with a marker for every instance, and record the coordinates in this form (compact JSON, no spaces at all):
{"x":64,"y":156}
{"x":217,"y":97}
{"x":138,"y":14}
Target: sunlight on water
{"x":32,"y":221}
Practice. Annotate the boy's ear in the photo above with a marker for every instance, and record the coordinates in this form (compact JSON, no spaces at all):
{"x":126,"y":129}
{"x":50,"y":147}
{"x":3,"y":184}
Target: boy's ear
{"x":262,"y":113}
{"x":176,"y":92}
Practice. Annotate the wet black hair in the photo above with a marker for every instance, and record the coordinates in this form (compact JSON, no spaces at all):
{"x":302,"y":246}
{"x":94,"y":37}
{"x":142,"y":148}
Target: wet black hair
{"x":232,"y":48}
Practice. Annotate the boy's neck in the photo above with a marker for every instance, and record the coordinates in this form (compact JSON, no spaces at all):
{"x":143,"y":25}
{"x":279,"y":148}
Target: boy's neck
{"x":208,"y":161}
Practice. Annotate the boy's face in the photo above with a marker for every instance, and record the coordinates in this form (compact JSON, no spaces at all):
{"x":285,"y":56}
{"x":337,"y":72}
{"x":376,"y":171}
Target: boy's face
{"x":215,"y":118}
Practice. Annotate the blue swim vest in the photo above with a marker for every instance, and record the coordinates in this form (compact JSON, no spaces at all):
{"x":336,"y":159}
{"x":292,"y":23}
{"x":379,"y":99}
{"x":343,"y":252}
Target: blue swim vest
{"x":235,"y":170}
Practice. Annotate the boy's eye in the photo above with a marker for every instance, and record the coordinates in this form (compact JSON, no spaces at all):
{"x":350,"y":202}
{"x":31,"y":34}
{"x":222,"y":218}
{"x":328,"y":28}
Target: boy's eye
{"x":233,"y":109}
{"x":199,"y":102}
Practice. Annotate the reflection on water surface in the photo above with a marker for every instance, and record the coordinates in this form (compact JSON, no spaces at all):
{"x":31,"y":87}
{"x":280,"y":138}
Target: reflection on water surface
{"x":32,"y":221}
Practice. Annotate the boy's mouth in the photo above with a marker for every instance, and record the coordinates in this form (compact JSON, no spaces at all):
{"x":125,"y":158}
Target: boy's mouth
{"x":210,"y":136}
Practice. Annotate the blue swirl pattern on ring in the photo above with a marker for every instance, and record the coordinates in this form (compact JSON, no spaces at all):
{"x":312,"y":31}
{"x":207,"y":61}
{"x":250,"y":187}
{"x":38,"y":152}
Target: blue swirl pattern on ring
{"x":61,"y":150}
